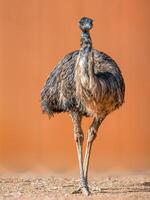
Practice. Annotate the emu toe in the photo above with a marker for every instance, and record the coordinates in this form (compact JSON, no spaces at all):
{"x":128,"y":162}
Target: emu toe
{"x":82,"y":189}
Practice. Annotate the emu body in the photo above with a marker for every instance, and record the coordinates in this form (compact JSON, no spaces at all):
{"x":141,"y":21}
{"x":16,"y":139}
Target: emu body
{"x":85,"y":82}
{"x":69,"y":84}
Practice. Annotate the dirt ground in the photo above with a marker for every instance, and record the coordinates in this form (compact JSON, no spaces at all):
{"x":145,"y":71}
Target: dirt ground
{"x":110,"y":187}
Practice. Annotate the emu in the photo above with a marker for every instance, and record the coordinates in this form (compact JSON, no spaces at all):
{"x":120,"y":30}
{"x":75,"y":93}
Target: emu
{"x":88,"y":83}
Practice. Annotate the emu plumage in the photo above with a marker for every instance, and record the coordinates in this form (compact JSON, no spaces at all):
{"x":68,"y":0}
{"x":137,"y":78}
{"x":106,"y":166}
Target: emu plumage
{"x":86,"y":82}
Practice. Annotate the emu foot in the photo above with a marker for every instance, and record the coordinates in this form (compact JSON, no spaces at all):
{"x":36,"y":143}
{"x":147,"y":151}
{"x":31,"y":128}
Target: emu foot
{"x":82,"y":189}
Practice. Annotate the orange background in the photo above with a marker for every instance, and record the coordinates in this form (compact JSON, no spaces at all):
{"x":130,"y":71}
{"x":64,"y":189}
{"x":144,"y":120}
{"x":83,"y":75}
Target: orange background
{"x":34,"y":35}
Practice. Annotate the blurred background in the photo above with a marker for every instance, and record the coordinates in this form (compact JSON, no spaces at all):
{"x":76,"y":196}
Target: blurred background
{"x":34,"y":36}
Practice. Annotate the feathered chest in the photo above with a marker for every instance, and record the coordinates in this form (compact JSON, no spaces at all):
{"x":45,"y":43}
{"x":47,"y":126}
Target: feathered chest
{"x":87,"y":87}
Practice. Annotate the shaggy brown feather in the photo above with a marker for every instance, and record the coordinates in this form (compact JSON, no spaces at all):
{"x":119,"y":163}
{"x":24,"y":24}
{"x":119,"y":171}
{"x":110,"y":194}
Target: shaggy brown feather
{"x":59,"y":92}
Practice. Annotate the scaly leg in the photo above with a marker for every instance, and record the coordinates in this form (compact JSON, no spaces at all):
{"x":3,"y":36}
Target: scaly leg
{"x":91,"y":136}
{"x":78,"y":135}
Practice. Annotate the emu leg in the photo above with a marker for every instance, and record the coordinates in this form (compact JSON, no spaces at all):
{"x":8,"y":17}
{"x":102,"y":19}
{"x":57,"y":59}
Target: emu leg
{"x":91,"y":136}
{"x":78,"y":135}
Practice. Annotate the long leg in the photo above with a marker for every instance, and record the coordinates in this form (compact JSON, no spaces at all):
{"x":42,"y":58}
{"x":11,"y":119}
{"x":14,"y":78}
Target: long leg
{"x":92,"y":132}
{"x":78,"y":135}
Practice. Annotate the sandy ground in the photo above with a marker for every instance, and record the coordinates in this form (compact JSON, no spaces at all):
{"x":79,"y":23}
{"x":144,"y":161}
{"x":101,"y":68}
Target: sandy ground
{"x":110,"y":187}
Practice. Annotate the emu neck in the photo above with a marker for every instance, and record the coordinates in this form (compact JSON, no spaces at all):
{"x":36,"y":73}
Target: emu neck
{"x":86,"y":43}
{"x":85,"y":62}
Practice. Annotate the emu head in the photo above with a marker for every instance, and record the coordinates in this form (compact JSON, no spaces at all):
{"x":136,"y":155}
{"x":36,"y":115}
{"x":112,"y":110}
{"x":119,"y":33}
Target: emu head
{"x":85,"y":24}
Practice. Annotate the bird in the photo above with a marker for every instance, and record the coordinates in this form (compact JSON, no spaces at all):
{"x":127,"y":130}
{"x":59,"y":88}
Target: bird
{"x":85,"y":83}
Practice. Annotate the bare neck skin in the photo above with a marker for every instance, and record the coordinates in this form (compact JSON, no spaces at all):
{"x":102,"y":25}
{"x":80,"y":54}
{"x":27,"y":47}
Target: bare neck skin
{"x":85,"y":42}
